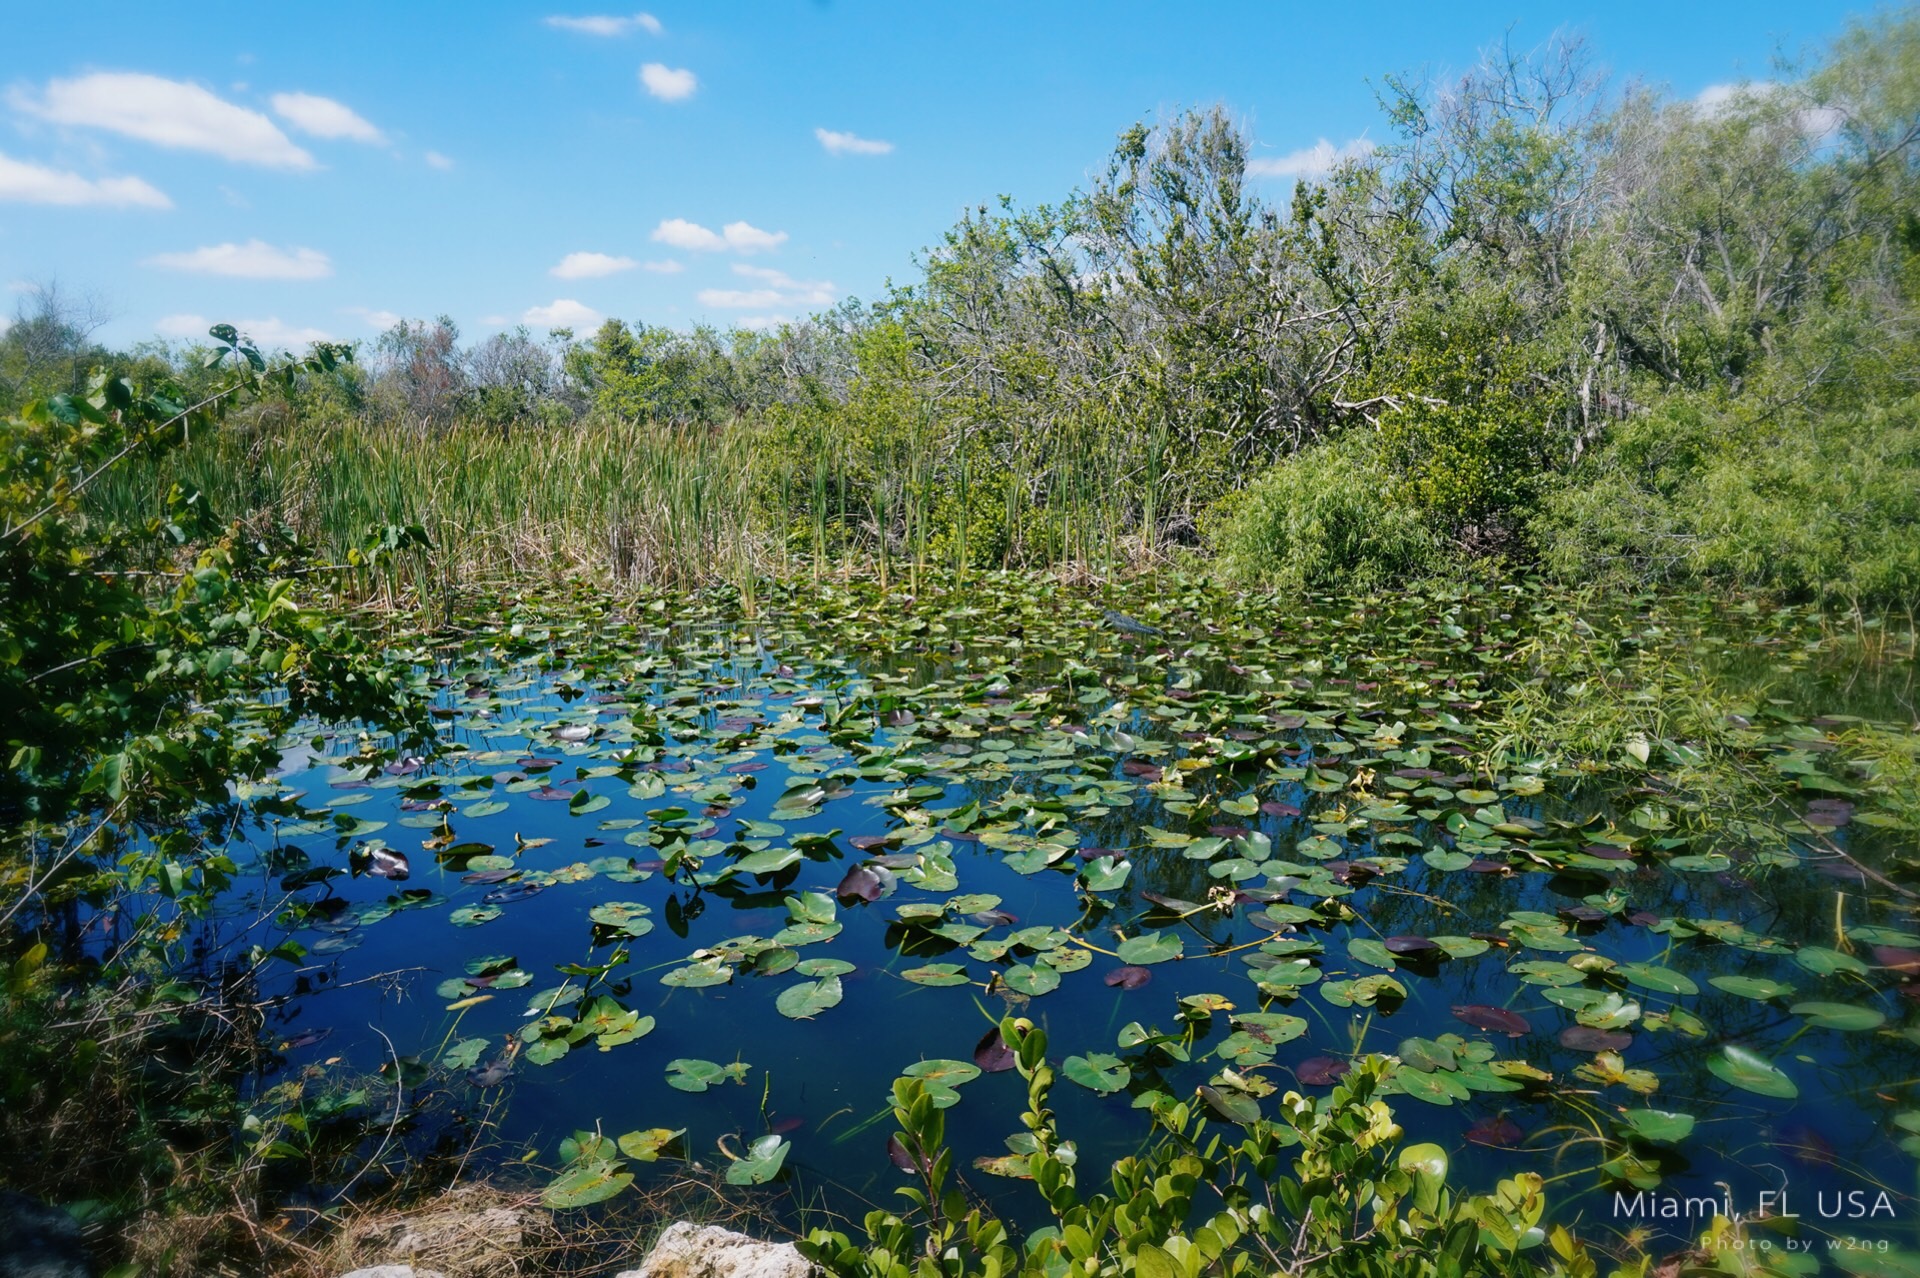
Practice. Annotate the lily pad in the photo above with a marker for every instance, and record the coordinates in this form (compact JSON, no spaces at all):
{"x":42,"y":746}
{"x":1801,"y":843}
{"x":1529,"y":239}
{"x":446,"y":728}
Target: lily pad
{"x":1097,"y":1072}
{"x":1750,"y":1071}
{"x":803,"y":1002}
{"x":1149,"y":948}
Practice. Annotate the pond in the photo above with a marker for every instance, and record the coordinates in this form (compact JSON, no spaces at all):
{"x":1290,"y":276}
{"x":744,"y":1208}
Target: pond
{"x":723,"y":872}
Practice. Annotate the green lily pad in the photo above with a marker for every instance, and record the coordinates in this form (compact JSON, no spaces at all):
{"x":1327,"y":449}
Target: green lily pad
{"x":1750,"y":1071}
{"x":1839,"y":1016}
{"x":761,"y":1162}
{"x":1097,"y":1072}
{"x":1661,"y":980}
{"x":803,"y":1002}
{"x":1659,"y":1125}
{"x":1151,"y":947}
{"x":1031,"y":980}
{"x":1758,"y":988}
{"x":698,"y":1075}
{"x":595,"y":1182}
{"x":937,"y":974}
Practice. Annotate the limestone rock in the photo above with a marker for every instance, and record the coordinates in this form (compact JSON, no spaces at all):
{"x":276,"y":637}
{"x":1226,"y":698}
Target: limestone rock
{"x":686,"y":1250}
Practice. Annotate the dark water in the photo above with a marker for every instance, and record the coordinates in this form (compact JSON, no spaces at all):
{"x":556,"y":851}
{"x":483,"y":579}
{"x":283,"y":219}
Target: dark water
{"x":934,"y":725}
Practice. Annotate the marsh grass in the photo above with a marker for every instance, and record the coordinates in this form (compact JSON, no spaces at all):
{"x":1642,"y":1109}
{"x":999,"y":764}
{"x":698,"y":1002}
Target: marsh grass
{"x":638,"y":504}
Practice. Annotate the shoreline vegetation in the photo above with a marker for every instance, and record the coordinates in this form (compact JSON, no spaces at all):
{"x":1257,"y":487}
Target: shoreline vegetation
{"x":1612,"y":353}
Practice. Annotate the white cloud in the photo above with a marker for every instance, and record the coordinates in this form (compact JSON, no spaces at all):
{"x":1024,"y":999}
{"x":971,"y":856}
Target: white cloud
{"x":777,"y":288}
{"x":607,"y":26}
{"x":324,"y":118}
{"x":168,"y":113}
{"x":438,"y":161}
{"x":268,"y":334}
{"x":254,"y":260}
{"x":1717,"y":99}
{"x":740,"y":237}
{"x":378,"y":320}
{"x":759,"y":322}
{"x":25,"y":183}
{"x":851,"y":144}
{"x":1314,"y":161}
{"x":668,"y":83}
{"x":587,"y":266}
{"x":665,"y":267}
{"x":563,"y":313}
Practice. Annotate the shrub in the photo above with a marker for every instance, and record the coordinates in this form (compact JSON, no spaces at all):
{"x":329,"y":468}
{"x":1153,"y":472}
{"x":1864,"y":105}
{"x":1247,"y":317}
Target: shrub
{"x":1826,"y":505}
{"x":1327,"y":517}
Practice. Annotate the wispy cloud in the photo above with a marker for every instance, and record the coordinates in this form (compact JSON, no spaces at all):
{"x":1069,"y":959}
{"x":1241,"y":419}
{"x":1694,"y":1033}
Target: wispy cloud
{"x":254,"y":260}
{"x":668,"y":83}
{"x":562,"y":312}
{"x":170,"y":113}
{"x":587,"y":266}
{"x":438,"y":161}
{"x":269,"y":334}
{"x":761,"y":322}
{"x":777,"y":288}
{"x":607,"y":26}
{"x":851,"y":144}
{"x":324,"y":118}
{"x":739,"y":237}
{"x":1314,"y":161}
{"x":24,"y":183}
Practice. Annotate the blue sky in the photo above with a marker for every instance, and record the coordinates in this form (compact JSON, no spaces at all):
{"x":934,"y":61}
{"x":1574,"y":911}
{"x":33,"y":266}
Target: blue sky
{"x":308,"y":170}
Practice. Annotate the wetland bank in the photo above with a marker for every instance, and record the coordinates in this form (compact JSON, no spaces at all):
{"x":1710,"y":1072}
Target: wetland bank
{"x":1361,"y":734}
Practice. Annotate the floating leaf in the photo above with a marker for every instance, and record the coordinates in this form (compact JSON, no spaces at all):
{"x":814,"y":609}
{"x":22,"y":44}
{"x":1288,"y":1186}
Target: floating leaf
{"x":1031,"y":980}
{"x":582,"y":1186}
{"x":1371,"y":952}
{"x":992,"y":1054}
{"x":699,"y":1075}
{"x":761,"y":1162}
{"x":1152,"y":947}
{"x":1497,"y":1019}
{"x":803,"y":1002}
{"x":1661,"y":980}
{"x":1754,"y":987}
{"x":1097,"y":1072}
{"x":1232,"y":1106}
{"x":937,"y":974}
{"x":1752,"y":1072}
{"x":1839,"y":1016}
{"x":1659,"y":1125}
{"x":646,"y":1146}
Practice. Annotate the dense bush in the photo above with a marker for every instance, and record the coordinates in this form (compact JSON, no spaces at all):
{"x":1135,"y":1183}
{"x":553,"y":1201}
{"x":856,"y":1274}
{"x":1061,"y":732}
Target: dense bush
{"x":1328,"y":517}
{"x":1806,"y":505}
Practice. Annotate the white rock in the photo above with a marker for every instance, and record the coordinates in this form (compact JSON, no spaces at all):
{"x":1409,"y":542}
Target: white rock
{"x":690,"y":1251}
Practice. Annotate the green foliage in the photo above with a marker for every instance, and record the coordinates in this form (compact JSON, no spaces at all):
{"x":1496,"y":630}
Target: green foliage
{"x":122,"y":646}
{"x":1203,"y":1200}
{"x":128,"y":651}
{"x":1329,"y":517}
{"x":1469,"y":431}
{"x":1807,"y":505}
